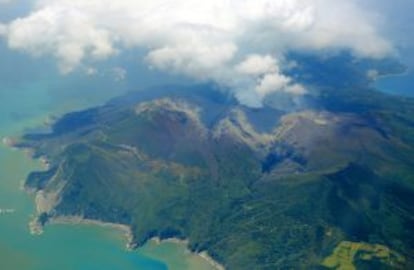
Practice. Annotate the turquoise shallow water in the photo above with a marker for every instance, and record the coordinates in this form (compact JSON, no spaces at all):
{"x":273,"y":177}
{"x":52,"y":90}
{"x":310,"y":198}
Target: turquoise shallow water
{"x":60,"y":247}
{"x":29,"y":95}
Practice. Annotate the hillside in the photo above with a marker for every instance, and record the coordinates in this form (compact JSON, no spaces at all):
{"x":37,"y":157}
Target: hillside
{"x":282,"y":195}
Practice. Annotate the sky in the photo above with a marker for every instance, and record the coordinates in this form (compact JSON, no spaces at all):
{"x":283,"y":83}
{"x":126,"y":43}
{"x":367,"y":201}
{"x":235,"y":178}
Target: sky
{"x":398,"y":21}
{"x":240,"y":45}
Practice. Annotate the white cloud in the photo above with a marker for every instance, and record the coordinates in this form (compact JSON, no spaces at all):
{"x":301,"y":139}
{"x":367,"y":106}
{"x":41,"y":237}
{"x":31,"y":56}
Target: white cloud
{"x":68,"y":34}
{"x":195,"y":58}
{"x":295,"y":89}
{"x":237,"y":43}
{"x":270,"y":82}
{"x":258,"y":65}
{"x":265,"y":71}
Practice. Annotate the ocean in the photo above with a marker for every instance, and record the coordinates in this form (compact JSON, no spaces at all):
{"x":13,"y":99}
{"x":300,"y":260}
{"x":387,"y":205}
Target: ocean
{"x":29,"y":97}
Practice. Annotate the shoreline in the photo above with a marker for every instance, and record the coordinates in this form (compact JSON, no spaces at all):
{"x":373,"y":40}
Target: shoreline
{"x":78,"y":220}
{"x":204,"y":255}
{"x":37,"y":228}
{"x":12,"y":143}
{"x":210,"y":260}
{"x":9,"y":142}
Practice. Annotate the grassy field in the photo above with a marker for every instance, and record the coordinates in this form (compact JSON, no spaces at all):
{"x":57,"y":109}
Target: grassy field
{"x":347,"y":254}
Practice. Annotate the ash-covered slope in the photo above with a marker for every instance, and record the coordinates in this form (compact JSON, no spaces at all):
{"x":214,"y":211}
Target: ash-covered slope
{"x":326,"y":185}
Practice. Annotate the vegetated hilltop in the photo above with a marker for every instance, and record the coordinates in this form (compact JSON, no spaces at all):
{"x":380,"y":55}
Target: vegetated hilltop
{"x":326,"y":186}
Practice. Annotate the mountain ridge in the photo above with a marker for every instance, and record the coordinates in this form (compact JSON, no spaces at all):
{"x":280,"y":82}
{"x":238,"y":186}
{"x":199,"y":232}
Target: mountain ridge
{"x":186,"y":180}
{"x":286,"y":192}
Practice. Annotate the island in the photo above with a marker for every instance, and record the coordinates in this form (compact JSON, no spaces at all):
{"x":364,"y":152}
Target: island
{"x":326,"y":183}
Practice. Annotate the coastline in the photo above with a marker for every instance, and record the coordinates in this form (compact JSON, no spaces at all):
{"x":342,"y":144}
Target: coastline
{"x":211,"y":261}
{"x":37,"y":228}
{"x":12,"y":143}
{"x":74,"y":220}
{"x":204,"y":255}
{"x":9,"y":142}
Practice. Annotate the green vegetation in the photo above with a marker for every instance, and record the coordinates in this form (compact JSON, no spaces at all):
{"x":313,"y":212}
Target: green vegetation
{"x":280,"y":199}
{"x":347,"y":254}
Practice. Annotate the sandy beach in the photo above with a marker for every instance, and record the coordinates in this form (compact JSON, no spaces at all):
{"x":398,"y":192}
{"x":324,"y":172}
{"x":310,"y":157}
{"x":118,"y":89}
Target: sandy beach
{"x":80,"y":220}
{"x":36,"y":228}
{"x":211,"y":261}
{"x":128,"y":235}
{"x":203,"y":254}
